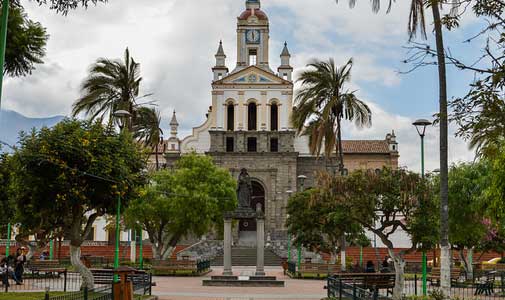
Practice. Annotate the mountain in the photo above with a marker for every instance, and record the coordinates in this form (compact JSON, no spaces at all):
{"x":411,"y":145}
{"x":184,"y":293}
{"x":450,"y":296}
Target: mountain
{"x":12,"y":123}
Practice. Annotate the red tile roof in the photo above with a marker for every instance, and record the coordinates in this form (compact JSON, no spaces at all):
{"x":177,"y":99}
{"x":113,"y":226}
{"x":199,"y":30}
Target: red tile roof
{"x":365,"y":146}
{"x":248,"y":12}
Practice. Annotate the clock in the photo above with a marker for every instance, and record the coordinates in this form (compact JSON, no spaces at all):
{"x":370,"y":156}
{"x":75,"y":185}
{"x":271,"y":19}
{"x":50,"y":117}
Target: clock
{"x":253,"y":36}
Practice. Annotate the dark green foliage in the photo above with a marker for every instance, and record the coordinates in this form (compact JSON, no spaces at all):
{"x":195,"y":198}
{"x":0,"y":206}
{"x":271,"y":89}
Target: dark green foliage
{"x":110,"y":86}
{"x":7,"y":207}
{"x":26,"y":43}
{"x":319,"y":223}
{"x":66,"y":176}
{"x":63,"y":6}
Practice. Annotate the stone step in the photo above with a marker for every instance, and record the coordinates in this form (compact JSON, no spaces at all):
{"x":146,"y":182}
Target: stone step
{"x":247,"y":257}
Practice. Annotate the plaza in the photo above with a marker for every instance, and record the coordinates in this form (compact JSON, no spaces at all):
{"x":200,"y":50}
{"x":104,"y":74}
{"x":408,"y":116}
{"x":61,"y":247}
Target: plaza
{"x":252,"y":149}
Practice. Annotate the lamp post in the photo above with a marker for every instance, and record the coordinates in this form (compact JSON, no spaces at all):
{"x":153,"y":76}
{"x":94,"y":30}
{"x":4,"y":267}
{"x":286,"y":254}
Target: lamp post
{"x":289,"y":192}
{"x":302,"y":182}
{"x":3,"y":41}
{"x":122,"y":116}
{"x":421,"y":125}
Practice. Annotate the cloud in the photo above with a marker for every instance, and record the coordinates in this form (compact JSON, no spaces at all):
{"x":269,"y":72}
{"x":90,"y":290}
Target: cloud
{"x":175,"y":42}
{"x":409,"y":140}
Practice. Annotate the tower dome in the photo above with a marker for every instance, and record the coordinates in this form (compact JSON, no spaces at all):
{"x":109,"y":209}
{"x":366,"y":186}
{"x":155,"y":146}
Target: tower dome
{"x":253,"y":7}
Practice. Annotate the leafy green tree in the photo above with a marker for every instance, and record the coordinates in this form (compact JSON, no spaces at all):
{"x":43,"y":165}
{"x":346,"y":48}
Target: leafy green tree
{"x":319,"y":223}
{"x":385,"y":203}
{"x":146,"y":128}
{"x":189,"y":200}
{"x":496,"y":189}
{"x":26,"y":43}
{"x":67,"y":176}
{"x":467,"y":183}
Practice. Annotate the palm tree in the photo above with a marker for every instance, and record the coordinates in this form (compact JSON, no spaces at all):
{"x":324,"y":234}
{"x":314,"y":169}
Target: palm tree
{"x":111,"y":85}
{"x":324,"y":102}
{"x":417,"y":23}
{"x":146,"y":129}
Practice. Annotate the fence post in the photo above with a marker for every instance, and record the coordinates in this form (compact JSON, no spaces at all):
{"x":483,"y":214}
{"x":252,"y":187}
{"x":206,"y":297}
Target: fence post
{"x":150,"y":283}
{"x":415,"y":284}
{"x":46,"y":297}
{"x":353,"y":290}
{"x":340,"y":289}
{"x":85,"y":293}
{"x":6,"y":280}
{"x":65,"y":281}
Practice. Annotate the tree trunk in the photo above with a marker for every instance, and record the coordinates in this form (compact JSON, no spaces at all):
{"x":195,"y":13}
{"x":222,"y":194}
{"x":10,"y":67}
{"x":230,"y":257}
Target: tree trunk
{"x":342,"y":254}
{"x":75,"y":258}
{"x":156,"y":250}
{"x":466,"y":262}
{"x":340,"y":148}
{"x":168,"y":252}
{"x":157,"y":160}
{"x":399,"y":263}
{"x":445,"y":262}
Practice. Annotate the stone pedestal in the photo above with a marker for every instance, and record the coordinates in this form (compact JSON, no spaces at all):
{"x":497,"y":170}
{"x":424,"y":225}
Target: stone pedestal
{"x":227,"y":247}
{"x":260,"y":254}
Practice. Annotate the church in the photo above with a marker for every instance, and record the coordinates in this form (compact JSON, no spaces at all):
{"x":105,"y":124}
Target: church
{"x":248,"y":126}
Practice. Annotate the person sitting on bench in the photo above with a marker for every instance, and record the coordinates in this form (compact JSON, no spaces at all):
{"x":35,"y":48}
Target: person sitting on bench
{"x":6,"y":271}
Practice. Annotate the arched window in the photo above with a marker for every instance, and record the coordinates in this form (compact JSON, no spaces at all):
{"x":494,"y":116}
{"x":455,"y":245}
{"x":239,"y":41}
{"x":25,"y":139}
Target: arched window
{"x":230,"y":111}
{"x":274,"y":117}
{"x":252,"y":113}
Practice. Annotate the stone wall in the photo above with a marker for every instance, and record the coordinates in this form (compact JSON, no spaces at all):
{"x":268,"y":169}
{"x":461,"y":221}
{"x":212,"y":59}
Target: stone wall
{"x":205,"y":249}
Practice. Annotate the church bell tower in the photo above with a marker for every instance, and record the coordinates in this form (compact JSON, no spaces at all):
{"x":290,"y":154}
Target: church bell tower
{"x":253,"y":37}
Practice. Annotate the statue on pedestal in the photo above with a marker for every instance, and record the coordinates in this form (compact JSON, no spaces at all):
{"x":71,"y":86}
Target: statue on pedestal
{"x":244,"y":190}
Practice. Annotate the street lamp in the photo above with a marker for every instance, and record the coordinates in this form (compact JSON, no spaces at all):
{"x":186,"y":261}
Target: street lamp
{"x":122,"y":116}
{"x":289,"y":192}
{"x":302,"y":181}
{"x":421,"y":125}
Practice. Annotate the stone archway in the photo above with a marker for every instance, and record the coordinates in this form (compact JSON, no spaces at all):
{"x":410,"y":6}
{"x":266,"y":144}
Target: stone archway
{"x":247,"y":227}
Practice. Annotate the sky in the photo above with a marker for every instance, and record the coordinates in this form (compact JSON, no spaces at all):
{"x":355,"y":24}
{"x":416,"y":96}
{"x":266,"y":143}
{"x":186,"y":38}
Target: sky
{"x":175,"y":42}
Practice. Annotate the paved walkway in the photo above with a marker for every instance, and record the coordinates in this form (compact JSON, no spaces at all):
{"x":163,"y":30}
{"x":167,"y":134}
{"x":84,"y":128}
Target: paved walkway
{"x":190,"y":288}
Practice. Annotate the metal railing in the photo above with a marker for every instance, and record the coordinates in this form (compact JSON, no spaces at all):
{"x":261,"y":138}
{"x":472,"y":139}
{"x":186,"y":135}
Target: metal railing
{"x":485,"y":286}
{"x":104,"y":293}
{"x":339,"y":288}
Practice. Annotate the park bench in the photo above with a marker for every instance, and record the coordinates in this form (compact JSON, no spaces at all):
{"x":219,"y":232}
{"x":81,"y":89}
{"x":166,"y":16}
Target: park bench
{"x":175,"y":267}
{"x":380,"y":282}
{"x":47,"y":267}
{"x":486,"y":287}
{"x":435,"y":275}
{"x":318,"y":269}
{"x":140,"y":279}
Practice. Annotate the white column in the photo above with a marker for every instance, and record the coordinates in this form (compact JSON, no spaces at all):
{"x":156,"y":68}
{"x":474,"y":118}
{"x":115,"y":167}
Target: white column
{"x":220,"y":113}
{"x":227,"y":248}
{"x":133,"y":246}
{"x":260,"y":244}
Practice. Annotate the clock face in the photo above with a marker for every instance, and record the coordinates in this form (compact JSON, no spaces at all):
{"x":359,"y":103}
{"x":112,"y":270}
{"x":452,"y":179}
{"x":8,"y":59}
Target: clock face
{"x":253,"y":36}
